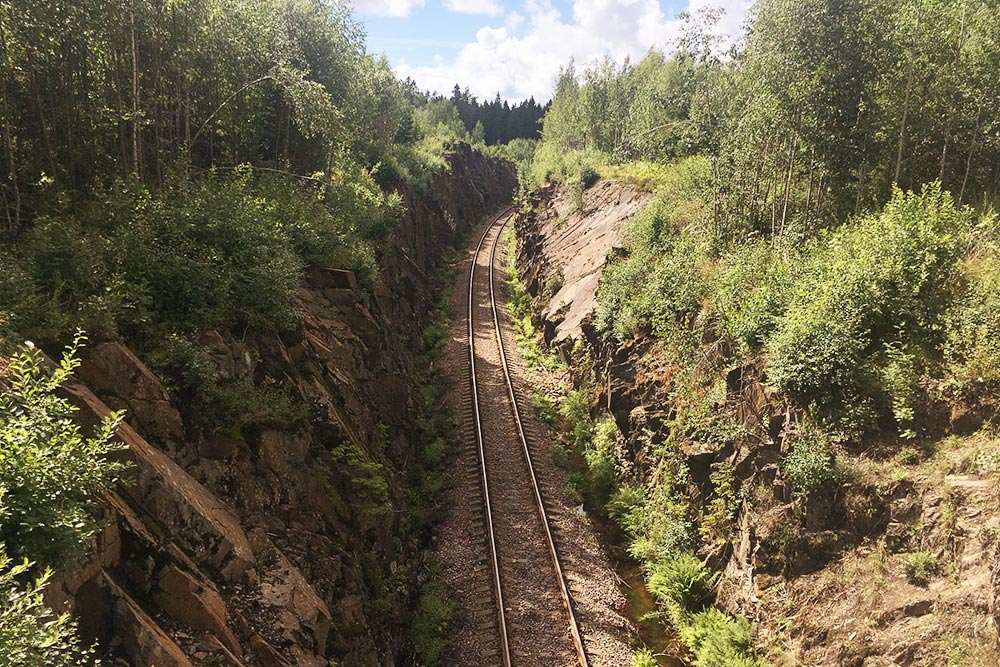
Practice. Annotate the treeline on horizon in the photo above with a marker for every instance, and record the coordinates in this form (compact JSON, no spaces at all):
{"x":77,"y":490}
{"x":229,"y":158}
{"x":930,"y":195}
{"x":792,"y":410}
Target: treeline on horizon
{"x":820,"y":109}
{"x":501,"y":122}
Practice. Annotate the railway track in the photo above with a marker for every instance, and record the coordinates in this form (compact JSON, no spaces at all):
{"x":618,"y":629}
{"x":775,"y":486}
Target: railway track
{"x":533,"y":620}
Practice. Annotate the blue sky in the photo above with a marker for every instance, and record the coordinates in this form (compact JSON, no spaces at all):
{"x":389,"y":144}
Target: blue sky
{"x":516,"y":47}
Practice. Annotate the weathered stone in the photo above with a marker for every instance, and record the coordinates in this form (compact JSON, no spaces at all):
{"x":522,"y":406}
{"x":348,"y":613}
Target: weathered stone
{"x":219,"y":446}
{"x":142,"y":639}
{"x":281,"y":451}
{"x":196,"y":604}
{"x":122,"y":381}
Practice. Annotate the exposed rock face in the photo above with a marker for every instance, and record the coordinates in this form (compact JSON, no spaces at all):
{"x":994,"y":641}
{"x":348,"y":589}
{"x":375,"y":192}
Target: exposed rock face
{"x":564,"y":251}
{"x":825,"y":576}
{"x":262,"y":548}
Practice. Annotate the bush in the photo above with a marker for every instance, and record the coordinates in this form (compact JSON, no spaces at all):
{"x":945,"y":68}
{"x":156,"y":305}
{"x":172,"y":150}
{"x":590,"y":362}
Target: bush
{"x":919,"y":566}
{"x":431,"y":621}
{"x":657,"y":517}
{"x":31,"y":634}
{"x":646,"y":176}
{"x":244,"y":405}
{"x":24,"y":311}
{"x":878,"y":284}
{"x":219,"y":248}
{"x":661,"y":283}
{"x":972,"y":347}
{"x":751,"y":289}
{"x":810,"y":463}
{"x":575,"y":410}
{"x":544,"y":408}
{"x":588,"y":176}
{"x":719,"y":640}
{"x":49,"y":471}
{"x":601,"y":460}
{"x":684,"y":585}
{"x":644,"y":658}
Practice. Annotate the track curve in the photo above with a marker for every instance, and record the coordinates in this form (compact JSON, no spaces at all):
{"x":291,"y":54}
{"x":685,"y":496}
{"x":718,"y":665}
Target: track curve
{"x":512,"y":544}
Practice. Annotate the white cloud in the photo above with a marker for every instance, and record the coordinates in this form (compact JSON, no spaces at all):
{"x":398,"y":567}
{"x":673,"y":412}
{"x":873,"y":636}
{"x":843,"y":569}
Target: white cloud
{"x":522,"y":58}
{"x":490,"y":7}
{"x":396,"y":8}
{"x":513,"y":21}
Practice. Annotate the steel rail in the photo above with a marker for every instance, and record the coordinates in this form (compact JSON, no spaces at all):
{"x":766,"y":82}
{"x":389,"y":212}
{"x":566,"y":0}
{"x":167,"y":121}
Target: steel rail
{"x":483,"y":473}
{"x":483,"y":476}
{"x":567,"y":598}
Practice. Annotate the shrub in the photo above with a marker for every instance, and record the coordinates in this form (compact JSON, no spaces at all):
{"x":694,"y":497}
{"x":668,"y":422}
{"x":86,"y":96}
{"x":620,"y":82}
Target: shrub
{"x":31,"y":634}
{"x":184,"y":367}
{"x":919,"y":566}
{"x":49,"y":471}
{"x":719,"y":640}
{"x":720,"y":511}
{"x":243,"y":405}
{"x":810,"y":463}
{"x":661,"y":282}
{"x":24,"y":310}
{"x":431,"y":621}
{"x":544,"y":408}
{"x":972,"y":347}
{"x":552,"y":164}
{"x":220,"y":248}
{"x":646,"y":176}
{"x":683,"y":584}
{"x":628,"y":508}
{"x":601,"y":460}
{"x":365,"y":478}
{"x":588,"y":176}
{"x":750,"y":290}
{"x":644,"y":658}
{"x":668,"y":534}
{"x":879,"y":284}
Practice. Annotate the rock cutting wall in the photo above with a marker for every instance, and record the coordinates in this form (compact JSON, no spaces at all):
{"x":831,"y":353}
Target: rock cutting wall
{"x":261,"y":550}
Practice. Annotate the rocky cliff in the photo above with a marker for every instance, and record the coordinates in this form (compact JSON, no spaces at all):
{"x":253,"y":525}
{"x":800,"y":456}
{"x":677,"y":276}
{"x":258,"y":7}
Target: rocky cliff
{"x":278,"y":544}
{"x":895,"y":564}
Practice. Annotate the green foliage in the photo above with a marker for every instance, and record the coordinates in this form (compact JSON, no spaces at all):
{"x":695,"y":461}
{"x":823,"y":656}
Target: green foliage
{"x":661,"y":282}
{"x":627,"y":507}
{"x":810,"y":464}
{"x":185,"y":368}
{"x":31,"y":634}
{"x":364,"y":477}
{"x":218,"y":249}
{"x":575,"y":409}
{"x":972,"y":344}
{"x":721,"y":509}
{"x":519,"y":303}
{"x":49,"y":470}
{"x":875,"y":287}
{"x":648,"y":176}
{"x":919,"y":566}
{"x":601,"y":457}
{"x":644,"y":658}
{"x":751,"y":288}
{"x":719,"y":640}
{"x":684,"y":585}
{"x":244,"y":405}
{"x":427,"y":476}
{"x":545,"y":408}
{"x":431,"y":621}
{"x":552,"y":165}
